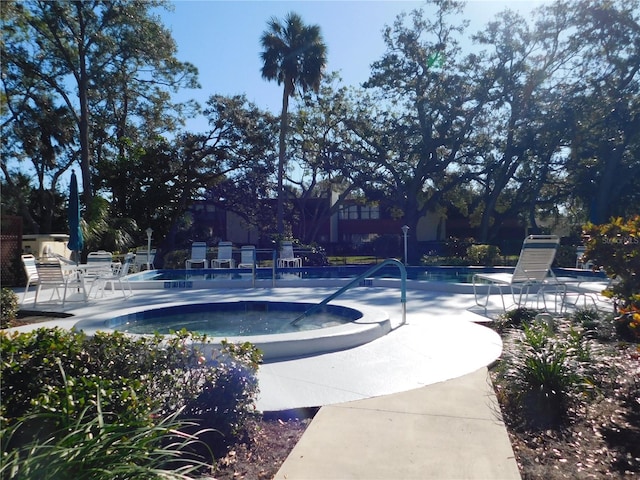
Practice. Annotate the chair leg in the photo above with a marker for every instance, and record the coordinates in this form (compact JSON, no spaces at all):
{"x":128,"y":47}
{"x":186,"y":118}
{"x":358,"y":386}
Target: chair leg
{"x":559,"y":290}
{"x":518,"y":302}
{"x":499,"y":287}
{"x":24,"y":295}
{"x":54,"y":292}
{"x":475,"y":295}
{"x":93,"y":284}
{"x":124,"y":294}
{"x":488,"y":295}
{"x":79,"y":284}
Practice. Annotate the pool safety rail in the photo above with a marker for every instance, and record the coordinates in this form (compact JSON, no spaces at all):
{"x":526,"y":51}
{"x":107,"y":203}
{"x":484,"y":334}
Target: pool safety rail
{"x":357,"y":281}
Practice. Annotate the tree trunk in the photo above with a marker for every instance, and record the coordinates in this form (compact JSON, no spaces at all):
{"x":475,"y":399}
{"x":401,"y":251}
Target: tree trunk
{"x":605,"y":195}
{"x":281,"y":157}
{"x":83,"y":127}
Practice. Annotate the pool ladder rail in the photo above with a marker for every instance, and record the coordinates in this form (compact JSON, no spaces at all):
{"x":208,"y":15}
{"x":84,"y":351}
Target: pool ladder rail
{"x":357,"y":281}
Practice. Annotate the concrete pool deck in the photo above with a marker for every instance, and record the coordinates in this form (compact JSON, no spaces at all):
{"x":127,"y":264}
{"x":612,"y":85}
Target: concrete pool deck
{"x":416,"y":403}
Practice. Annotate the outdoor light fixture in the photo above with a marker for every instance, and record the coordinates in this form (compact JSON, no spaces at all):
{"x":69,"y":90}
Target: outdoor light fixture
{"x":405,"y":230}
{"x":149,"y":232}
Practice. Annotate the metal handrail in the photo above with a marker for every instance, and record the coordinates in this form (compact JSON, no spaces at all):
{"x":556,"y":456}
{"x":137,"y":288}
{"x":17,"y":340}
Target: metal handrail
{"x":372,"y":270}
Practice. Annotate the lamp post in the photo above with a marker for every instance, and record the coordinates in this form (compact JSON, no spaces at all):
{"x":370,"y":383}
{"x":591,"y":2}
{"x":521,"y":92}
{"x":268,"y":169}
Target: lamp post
{"x":149,"y":232}
{"x":405,"y":230}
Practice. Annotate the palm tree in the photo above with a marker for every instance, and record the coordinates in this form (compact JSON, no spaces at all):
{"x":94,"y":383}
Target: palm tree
{"x":294,"y":54}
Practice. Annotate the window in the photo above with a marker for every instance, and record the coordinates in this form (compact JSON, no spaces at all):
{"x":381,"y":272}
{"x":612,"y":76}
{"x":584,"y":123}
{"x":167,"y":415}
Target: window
{"x":362,"y":212}
{"x":369,"y":212}
{"x":349,"y":213}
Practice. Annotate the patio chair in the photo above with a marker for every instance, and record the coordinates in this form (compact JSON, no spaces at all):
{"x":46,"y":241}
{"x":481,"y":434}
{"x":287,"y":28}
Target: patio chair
{"x":248,"y":259}
{"x":590,"y":291}
{"x":225,"y":256}
{"x":63,"y":260}
{"x":287,"y":259}
{"x":143,"y":258}
{"x":99,"y":262}
{"x":51,"y":274}
{"x":532,"y":270}
{"x":198,"y":255}
{"x":118,"y":277}
{"x":31,"y":271}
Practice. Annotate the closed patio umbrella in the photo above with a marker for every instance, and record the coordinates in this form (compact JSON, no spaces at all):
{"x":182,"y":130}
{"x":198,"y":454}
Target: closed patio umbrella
{"x":76,"y":241}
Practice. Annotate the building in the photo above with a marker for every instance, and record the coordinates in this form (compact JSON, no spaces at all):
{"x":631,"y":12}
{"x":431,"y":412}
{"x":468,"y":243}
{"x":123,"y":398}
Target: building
{"x":355,"y":227}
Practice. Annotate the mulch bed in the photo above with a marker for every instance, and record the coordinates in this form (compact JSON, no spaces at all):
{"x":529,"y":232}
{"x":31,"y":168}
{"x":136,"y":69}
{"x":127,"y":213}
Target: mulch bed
{"x":599,"y":437}
{"x":270,"y":440}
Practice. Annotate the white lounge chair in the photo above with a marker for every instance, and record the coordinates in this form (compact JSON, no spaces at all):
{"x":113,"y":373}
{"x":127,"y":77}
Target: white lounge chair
{"x":116,"y":277}
{"x":198,"y":255}
{"x":590,"y":291}
{"x":99,"y":262}
{"x":532,"y":270}
{"x":248,"y":260}
{"x":51,"y":274}
{"x":63,"y":260}
{"x":144,"y":259}
{"x":287,"y":259}
{"x":31,"y":271}
{"x":225,"y":256}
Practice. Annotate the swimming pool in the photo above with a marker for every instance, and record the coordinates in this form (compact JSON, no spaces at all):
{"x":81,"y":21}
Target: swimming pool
{"x":450,"y":278}
{"x":308,"y":276}
{"x":441,"y":274}
{"x":347,"y":328}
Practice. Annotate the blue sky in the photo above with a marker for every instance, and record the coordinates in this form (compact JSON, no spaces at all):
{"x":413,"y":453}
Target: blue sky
{"x":222,"y":39}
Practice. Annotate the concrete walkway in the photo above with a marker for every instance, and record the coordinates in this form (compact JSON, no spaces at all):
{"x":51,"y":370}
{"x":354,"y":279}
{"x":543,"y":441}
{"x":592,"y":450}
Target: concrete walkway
{"x":448,"y":430}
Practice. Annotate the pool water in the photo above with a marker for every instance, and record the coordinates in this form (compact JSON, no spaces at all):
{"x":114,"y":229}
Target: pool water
{"x":441,"y":274}
{"x":437,"y":274}
{"x":234,"y":319}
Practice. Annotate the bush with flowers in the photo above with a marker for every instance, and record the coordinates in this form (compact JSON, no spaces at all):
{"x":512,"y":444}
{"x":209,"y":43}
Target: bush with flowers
{"x":615,"y":248}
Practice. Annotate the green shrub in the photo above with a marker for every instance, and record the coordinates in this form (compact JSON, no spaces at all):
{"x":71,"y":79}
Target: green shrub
{"x":578,"y":348}
{"x":457,"y":247}
{"x":8,"y":307}
{"x":226,"y":403}
{"x":544,"y":372}
{"x":615,"y":247}
{"x":314,"y":255}
{"x":175,"y":259}
{"x":429,"y":260}
{"x":386,"y":246}
{"x":94,"y":447}
{"x":587,"y":317}
{"x":565,"y":256}
{"x":628,"y":324}
{"x":515,"y":318}
{"x":487,"y":255}
{"x":132,"y":379}
{"x":536,"y":335}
